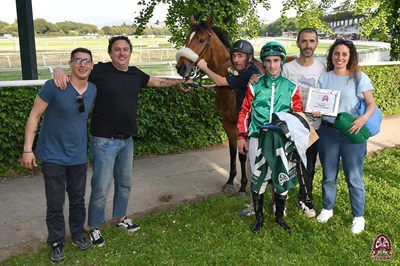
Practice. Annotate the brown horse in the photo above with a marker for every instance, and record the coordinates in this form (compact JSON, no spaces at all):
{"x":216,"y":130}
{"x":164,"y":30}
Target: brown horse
{"x":211,"y":44}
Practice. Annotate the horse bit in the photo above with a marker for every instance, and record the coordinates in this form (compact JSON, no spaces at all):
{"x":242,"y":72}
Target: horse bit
{"x":196,"y":74}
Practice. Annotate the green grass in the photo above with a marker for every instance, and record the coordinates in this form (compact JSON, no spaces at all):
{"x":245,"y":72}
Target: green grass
{"x":211,"y":233}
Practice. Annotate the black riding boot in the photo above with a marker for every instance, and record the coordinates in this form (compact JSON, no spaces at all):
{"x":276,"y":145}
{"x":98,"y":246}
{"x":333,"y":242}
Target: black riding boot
{"x":258,"y":203}
{"x":280,"y":201}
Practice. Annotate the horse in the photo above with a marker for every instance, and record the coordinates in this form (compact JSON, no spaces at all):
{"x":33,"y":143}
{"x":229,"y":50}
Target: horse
{"x":210,"y":43}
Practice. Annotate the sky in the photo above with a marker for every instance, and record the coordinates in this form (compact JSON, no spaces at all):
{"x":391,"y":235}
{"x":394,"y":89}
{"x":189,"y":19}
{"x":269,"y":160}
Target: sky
{"x":102,"y":11}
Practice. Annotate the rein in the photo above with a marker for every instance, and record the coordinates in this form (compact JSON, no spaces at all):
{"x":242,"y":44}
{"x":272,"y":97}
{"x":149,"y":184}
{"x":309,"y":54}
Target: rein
{"x":197,"y":74}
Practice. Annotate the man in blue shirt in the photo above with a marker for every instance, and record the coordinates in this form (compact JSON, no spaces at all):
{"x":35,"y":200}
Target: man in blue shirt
{"x":62,"y":149}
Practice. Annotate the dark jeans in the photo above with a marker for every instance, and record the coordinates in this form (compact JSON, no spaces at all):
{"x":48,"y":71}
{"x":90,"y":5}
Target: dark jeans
{"x":311,"y":154}
{"x":57,"y":180}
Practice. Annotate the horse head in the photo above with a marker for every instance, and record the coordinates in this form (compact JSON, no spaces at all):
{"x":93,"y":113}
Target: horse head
{"x":203,"y":42}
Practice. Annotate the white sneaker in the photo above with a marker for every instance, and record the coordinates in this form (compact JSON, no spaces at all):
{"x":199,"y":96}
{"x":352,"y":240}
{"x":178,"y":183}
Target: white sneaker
{"x":358,"y":225}
{"x":310,"y":213}
{"x":324,"y":216}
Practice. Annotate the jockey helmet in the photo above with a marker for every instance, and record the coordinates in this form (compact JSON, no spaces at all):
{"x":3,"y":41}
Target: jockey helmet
{"x":242,"y":46}
{"x":273,"y":48}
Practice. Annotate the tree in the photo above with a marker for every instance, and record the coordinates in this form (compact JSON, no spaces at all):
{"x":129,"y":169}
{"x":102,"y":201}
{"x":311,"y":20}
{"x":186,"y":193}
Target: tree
{"x":107,"y":30}
{"x":235,"y":16}
{"x":89,"y":29}
{"x":11,"y":29}
{"x":383,"y":17}
{"x":3,"y":24}
{"x":309,"y":13}
{"x":275,"y":28}
{"x":238,"y":17}
{"x":40,"y":25}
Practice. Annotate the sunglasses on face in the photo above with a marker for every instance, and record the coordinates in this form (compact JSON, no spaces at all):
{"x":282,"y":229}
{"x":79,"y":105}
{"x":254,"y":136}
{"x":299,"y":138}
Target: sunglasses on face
{"x":79,"y":99}
{"x":78,"y":61}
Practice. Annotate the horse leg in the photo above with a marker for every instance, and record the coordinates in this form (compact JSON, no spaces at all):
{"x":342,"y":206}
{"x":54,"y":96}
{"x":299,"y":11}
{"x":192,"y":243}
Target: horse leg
{"x":226,"y":104}
{"x":228,"y":187}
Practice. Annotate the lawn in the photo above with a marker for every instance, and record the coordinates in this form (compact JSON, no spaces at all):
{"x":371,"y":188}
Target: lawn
{"x":211,"y":233}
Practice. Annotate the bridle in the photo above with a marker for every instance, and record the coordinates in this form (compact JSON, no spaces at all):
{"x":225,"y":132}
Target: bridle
{"x":196,"y":74}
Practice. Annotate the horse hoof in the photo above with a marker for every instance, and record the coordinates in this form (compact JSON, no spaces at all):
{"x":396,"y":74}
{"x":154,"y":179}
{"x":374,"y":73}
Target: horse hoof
{"x":228,"y":188}
{"x":242,"y":195}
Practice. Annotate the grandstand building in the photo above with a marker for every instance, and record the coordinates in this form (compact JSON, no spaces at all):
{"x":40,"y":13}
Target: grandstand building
{"x":343,"y":24}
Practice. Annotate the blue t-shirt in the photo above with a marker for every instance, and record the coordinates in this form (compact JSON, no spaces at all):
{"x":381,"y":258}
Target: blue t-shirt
{"x":347,"y":87}
{"x":63,"y":135}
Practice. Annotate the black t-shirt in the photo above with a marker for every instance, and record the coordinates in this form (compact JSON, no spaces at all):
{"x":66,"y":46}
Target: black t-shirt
{"x":239,"y":83}
{"x":114,"y":112}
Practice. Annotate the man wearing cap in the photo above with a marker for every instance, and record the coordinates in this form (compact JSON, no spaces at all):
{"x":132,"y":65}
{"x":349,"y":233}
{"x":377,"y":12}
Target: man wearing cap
{"x":272,"y":93}
{"x":242,"y":55}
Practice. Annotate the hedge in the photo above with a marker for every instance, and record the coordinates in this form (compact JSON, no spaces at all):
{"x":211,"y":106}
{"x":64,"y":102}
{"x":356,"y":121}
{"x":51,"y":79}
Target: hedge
{"x":168,"y":120}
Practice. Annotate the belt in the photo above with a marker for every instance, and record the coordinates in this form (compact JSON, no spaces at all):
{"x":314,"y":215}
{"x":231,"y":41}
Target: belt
{"x":114,"y":137}
{"x":327,"y":124}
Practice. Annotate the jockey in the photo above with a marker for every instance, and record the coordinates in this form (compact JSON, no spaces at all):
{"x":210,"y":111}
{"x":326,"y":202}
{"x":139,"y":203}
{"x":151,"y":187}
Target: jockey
{"x":242,"y":54}
{"x":272,"y":93}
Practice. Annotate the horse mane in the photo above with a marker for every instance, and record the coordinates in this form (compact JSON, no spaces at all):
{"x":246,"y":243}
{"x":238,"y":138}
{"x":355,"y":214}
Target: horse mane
{"x":221,"y":33}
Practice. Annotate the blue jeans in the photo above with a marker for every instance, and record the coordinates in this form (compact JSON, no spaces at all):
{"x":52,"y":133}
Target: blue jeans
{"x":333,"y":145}
{"x":110,"y":158}
{"x":58,"y":179}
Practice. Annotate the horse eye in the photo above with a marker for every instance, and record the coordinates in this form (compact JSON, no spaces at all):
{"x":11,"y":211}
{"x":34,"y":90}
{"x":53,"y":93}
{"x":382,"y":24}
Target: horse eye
{"x":201,"y":40}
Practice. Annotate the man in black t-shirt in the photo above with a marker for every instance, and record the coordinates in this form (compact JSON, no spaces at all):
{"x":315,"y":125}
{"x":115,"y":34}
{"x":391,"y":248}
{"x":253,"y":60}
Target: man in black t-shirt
{"x":112,"y":125}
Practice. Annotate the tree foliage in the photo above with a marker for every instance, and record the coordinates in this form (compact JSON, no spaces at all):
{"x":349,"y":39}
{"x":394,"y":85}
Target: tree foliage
{"x":277,"y":27}
{"x":3,"y":24}
{"x":383,"y":17}
{"x":43,"y":27}
{"x":309,"y":13}
{"x":238,"y":17}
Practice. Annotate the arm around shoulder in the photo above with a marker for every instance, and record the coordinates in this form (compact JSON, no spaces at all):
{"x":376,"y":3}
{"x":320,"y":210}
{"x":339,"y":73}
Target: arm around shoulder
{"x":60,"y":78}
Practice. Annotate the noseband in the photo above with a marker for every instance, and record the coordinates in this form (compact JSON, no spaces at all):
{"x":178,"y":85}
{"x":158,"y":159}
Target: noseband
{"x":195,"y":73}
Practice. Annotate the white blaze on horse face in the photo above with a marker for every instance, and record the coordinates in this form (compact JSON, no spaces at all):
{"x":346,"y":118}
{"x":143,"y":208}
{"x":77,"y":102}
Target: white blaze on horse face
{"x":191,"y":37}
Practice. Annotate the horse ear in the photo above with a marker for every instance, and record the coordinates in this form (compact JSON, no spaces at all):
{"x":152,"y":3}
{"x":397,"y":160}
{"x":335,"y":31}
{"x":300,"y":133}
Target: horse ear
{"x":210,"y":20}
{"x":192,"y":21}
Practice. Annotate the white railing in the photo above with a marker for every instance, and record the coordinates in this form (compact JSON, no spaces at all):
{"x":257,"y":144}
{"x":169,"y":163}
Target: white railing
{"x":40,"y":82}
{"x":21,"y":83}
{"x":149,"y":54}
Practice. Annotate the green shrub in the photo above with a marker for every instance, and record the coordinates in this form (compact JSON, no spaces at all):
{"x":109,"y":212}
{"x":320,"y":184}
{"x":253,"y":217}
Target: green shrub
{"x":15,"y":106}
{"x":168,"y":119}
{"x":386,"y":81}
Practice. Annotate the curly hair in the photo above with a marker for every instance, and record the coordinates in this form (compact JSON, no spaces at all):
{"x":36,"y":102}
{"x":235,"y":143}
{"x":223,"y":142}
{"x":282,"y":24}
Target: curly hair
{"x":352,"y":65}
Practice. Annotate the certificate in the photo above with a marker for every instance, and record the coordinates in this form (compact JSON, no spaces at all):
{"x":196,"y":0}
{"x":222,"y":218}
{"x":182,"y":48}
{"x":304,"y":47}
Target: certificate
{"x":325,"y":101}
